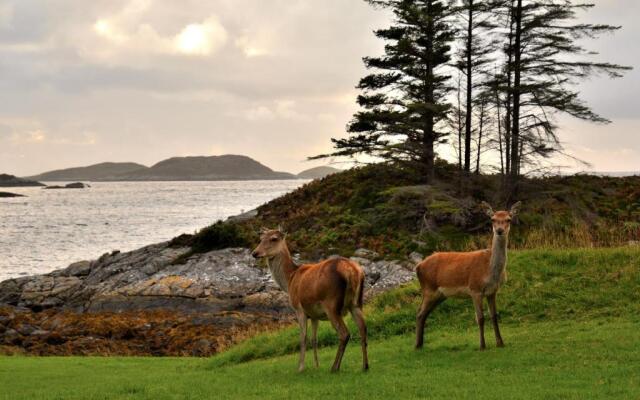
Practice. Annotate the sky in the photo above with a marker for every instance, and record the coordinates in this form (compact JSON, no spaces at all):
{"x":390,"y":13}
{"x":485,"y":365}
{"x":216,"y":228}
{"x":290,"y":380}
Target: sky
{"x":83,"y":82}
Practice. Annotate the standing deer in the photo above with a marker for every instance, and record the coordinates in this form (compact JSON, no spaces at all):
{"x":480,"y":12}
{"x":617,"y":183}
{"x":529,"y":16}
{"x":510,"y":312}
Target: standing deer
{"x":326,"y":290}
{"x":476,"y":274}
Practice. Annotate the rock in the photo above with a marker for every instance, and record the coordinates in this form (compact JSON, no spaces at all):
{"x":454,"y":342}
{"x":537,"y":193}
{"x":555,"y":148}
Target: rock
{"x":202,"y":348}
{"x":416,"y":257}
{"x":8,"y":194}
{"x":384,"y":275}
{"x":368,"y":254}
{"x":80,"y":268}
{"x":243,"y":216}
{"x":47,"y":291}
{"x":25,"y":329}
{"x":11,"y":337}
{"x":75,"y":185}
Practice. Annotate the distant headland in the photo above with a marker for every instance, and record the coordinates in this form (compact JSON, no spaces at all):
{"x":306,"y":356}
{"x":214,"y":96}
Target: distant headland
{"x":202,"y":168}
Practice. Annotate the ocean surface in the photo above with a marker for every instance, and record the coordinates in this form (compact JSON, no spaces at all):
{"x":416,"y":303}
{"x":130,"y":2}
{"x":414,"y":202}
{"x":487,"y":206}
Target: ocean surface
{"x":50,"y":229}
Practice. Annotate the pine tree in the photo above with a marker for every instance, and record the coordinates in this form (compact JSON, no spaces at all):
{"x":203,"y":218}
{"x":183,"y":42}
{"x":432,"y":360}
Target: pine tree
{"x":546,"y":61}
{"x":404,"y":101}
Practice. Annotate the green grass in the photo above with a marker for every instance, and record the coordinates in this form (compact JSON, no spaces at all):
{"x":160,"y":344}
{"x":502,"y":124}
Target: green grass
{"x":571,"y":323}
{"x":563,"y":359}
{"x":542,"y":285}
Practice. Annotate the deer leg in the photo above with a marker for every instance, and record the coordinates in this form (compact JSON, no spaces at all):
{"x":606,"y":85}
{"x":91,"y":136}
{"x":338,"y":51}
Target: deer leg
{"x":343,"y":335}
{"x":477,"y":302}
{"x":356,"y":313}
{"x":314,"y":340}
{"x":302,"y":320}
{"x":430,"y":301}
{"x":494,"y":318}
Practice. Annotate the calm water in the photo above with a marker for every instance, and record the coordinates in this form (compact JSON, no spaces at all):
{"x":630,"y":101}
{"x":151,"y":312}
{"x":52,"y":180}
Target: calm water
{"x":50,"y":229}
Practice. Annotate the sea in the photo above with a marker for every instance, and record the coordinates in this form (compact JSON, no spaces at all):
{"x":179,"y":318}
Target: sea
{"x":50,"y":229}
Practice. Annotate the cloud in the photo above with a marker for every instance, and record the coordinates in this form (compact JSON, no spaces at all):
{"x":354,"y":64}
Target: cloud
{"x":127,"y":32}
{"x":143,"y":80}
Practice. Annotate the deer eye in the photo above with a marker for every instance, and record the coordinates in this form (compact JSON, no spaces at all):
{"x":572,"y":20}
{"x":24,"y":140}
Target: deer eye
{"x":274,"y":239}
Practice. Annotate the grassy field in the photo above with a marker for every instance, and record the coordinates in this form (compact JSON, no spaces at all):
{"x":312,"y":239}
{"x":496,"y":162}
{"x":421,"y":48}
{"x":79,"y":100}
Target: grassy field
{"x":571,"y":323}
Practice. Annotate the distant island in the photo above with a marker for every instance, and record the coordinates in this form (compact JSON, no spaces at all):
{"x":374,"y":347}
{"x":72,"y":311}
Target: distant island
{"x":203,"y":168}
{"x":318,"y":172}
{"x":7,"y":180}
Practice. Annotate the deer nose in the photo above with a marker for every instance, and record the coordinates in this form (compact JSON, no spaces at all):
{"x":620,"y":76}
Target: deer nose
{"x":254,"y":254}
{"x":500,"y":231}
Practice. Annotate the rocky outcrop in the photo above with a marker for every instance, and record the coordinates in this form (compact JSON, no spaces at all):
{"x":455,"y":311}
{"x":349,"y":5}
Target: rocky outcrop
{"x":8,"y":194}
{"x":225,"y":289}
{"x":75,"y":185}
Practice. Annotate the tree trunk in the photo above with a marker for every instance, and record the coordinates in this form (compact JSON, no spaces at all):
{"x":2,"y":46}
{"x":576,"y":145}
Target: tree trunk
{"x":467,"y":137}
{"x":515,"y":131}
{"x":480,"y":136}
{"x":500,"y":132}
{"x":459,"y":124}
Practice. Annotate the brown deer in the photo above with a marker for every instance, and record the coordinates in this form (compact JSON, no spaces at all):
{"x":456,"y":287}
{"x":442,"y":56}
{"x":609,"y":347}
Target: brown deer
{"x":476,"y":274}
{"x":326,"y":290}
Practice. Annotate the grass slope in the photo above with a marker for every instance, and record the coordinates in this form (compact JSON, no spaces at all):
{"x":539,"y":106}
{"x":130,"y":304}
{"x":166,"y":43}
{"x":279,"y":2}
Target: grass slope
{"x":565,"y":359}
{"x":392,"y":212}
{"x":570,"y":323}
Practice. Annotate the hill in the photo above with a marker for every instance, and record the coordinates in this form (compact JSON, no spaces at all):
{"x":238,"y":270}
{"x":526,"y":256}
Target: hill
{"x":318,"y":172}
{"x":97,"y":172}
{"x":225,"y":167}
{"x":7,"y":180}
{"x":566,"y":337}
{"x":390,"y":211}
{"x":212,"y":168}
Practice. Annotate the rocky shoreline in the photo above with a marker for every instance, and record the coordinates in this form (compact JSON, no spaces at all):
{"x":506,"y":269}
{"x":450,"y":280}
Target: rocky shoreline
{"x":142,"y":303}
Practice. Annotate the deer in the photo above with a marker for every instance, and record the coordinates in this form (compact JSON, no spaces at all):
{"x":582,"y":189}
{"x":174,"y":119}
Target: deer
{"x":475,"y":274}
{"x":327,"y":290}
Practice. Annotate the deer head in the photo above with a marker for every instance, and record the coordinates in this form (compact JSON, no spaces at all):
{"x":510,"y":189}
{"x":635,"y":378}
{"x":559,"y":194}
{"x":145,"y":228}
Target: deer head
{"x":272,"y":242}
{"x":501,"y":220}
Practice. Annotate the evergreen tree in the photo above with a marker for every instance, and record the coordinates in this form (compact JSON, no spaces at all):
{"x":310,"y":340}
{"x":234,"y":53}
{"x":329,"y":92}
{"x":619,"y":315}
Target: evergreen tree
{"x":546,"y":61}
{"x":404,"y":101}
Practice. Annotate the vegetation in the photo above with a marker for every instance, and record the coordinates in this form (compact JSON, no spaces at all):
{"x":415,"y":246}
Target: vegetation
{"x":566,"y":337}
{"x":387,"y":210}
{"x":214,"y":237}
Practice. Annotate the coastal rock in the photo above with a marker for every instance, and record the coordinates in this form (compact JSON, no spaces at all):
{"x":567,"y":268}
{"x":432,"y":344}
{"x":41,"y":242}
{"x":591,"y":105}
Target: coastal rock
{"x":9,"y":195}
{"x":243,"y":216}
{"x":75,"y":185}
{"x":80,"y":268}
{"x":142,"y":302}
{"x":383,"y":275}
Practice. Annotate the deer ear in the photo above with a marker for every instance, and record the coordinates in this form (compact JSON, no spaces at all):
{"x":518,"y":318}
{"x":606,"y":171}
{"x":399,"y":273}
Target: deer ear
{"x":515,"y":209}
{"x":487,"y":208}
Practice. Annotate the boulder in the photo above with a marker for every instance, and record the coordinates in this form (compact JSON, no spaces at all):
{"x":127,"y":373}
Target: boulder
{"x":365,"y":253}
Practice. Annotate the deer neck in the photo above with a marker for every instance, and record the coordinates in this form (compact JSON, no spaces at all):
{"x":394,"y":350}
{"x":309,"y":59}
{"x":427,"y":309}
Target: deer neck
{"x":282,"y":268}
{"x":498,"y":261}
